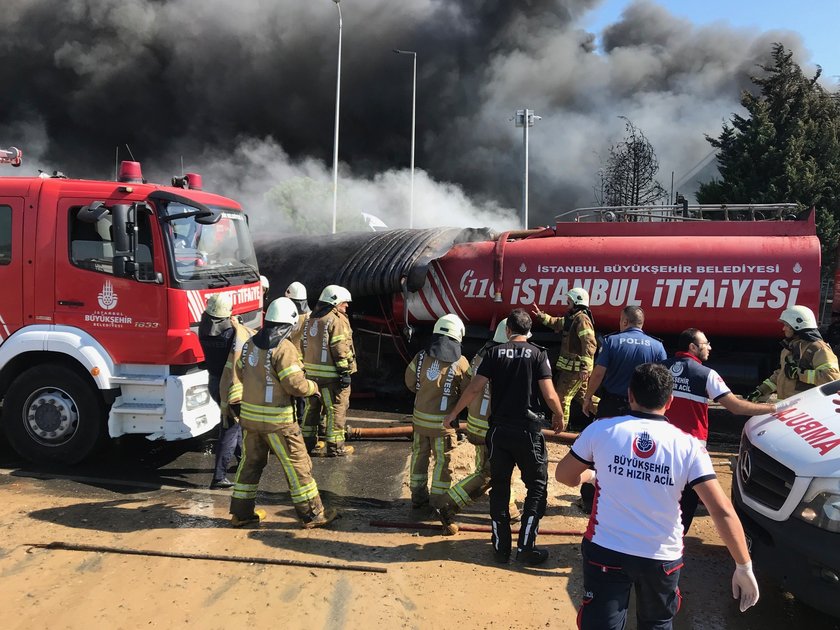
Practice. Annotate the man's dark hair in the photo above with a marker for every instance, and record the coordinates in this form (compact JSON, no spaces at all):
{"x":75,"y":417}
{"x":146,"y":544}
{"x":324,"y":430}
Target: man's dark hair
{"x":519,"y":321}
{"x":635,"y":316}
{"x":651,"y":385}
{"x":686,"y":338}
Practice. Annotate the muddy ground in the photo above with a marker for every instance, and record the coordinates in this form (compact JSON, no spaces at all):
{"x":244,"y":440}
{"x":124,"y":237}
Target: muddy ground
{"x":154,"y":498}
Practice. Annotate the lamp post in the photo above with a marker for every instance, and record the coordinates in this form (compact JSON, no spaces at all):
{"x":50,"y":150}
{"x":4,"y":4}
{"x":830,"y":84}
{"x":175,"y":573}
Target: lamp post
{"x":337,"y":106}
{"x":525,"y":118}
{"x":413,"y":119}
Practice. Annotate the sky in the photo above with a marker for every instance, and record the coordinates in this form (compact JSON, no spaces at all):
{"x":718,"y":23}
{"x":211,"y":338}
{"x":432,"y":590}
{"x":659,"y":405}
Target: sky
{"x":244,"y":94}
{"x":815,"y":20}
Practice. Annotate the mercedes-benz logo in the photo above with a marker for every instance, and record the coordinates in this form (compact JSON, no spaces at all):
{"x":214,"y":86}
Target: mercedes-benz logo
{"x":745,"y":467}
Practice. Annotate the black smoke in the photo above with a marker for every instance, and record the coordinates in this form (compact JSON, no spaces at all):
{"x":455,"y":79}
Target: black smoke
{"x":245,"y":91}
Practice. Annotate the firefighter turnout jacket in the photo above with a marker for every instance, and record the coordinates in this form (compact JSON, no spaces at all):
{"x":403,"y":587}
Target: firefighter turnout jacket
{"x":297,"y":336}
{"x":265,"y":381}
{"x":578,"y":345}
{"x":437,"y":385}
{"x":241,"y":334}
{"x":328,"y":347}
{"x":478,"y":412}
{"x":803,"y":364}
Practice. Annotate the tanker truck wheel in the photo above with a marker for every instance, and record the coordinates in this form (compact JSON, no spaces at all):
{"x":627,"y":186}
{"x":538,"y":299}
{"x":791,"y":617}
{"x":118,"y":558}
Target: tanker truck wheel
{"x":51,"y":414}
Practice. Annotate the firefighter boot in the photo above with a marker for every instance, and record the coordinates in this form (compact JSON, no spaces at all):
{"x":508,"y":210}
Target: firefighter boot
{"x":339,"y":449}
{"x":324,"y":517}
{"x":501,"y":541}
{"x":247,"y":521}
{"x":526,"y":551}
{"x":446,"y":514}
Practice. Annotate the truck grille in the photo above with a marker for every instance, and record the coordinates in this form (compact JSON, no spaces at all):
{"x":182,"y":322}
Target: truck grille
{"x":763,"y":479}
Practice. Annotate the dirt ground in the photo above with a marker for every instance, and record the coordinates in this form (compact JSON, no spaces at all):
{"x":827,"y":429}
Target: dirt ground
{"x":431,"y":581}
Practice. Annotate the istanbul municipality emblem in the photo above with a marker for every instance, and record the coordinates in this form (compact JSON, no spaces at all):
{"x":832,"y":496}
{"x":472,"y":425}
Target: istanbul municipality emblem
{"x":107,"y":297}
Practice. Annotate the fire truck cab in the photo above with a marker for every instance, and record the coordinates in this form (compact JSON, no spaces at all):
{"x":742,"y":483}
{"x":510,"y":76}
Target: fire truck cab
{"x":104,"y":284}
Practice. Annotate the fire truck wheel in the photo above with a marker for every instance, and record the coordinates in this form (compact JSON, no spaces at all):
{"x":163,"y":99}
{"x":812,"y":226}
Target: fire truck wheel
{"x":51,"y":414}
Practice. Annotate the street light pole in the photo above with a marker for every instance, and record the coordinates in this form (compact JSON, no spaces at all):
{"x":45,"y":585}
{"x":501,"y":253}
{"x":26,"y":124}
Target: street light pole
{"x":337,"y":107}
{"x":525,"y":118}
{"x":413,"y":120}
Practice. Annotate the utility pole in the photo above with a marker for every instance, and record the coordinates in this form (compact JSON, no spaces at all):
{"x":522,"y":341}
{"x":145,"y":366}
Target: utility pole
{"x":525,"y":118}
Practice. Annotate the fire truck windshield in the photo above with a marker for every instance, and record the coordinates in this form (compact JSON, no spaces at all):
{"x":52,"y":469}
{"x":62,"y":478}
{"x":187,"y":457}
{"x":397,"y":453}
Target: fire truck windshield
{"x":208,"y":254}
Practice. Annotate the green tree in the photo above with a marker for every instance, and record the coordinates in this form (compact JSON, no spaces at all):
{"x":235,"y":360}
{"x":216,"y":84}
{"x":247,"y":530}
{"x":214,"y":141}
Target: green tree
{"x":787,"y":149}
{"x":628,"y":175}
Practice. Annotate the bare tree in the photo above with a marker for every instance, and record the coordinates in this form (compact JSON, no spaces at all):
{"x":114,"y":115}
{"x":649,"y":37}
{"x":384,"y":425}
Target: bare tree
{"x":628,"y":176}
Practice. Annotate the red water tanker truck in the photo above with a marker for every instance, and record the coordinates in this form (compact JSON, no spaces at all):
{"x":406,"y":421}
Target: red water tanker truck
{"x":727,"y":270}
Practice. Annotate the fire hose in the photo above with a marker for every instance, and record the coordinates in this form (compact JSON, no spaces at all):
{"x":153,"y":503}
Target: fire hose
{"x":65,"y":546}
{"x":372,"y":433}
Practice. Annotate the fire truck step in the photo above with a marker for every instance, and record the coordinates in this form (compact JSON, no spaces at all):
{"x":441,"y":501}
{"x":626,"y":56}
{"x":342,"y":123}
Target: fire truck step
{"x":152,"y":409}
{"x":138,"y":379}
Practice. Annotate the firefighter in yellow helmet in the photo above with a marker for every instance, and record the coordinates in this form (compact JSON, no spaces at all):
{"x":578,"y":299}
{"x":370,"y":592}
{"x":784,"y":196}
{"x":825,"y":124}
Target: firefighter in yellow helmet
{"x":330,"y":360}
{"x":476,"y":483}
{"x":806,"y":360}
{"x":435,"y":376}
{"x":577,"y":347}
{"x":266,"y":376}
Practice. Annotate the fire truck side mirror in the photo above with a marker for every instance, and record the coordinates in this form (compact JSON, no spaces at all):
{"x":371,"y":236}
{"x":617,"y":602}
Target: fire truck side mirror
{"x":92,"y":213}
{"x":124,"y":240}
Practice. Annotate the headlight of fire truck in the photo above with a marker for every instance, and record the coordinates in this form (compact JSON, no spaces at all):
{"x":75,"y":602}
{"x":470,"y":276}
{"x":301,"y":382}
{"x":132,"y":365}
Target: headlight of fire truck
{"x":821,"y":504}
{"x":196,"y":396}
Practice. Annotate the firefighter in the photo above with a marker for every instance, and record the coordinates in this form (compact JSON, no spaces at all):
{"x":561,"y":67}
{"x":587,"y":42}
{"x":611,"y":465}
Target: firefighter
{"x":476,"y":484}
{"x":577,"y":348}
{"x":806,"y":360}
{"x":266,"y":376}
{"x":435,"y":376}
{"x":216,"y":333}
{"x":330,"y":361}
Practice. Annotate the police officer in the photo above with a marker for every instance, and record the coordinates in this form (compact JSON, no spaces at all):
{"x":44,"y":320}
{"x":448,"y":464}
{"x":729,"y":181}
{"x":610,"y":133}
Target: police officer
{"x":806,"y":360}
{"x":435,"y":375}
{"x":643,"y":463}
{"x":330,"y":360}
{"x":694,"y":385}
{"x":619,"y":356}
{"x":518,"y":372}
{"x":266,"y":376}
{"x":476,"y":483}
{"x":577,"y":347}
{"x":215,"y":334}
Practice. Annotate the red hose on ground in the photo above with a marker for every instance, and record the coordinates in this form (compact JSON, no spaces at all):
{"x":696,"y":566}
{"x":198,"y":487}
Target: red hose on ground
{"x":366,"y":433}
{"x":485,"y":529}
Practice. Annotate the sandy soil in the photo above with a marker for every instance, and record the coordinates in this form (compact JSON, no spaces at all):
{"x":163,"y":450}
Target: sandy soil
{"x":431,"y":581}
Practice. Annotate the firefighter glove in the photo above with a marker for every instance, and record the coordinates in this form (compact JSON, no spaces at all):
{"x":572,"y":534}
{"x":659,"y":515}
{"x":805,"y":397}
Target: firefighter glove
{"x":754,"y":395}
{"x":744,"y":585}
{"x":344,"y":381}
{"x":791,"y":370}
{"x":234,"y":409}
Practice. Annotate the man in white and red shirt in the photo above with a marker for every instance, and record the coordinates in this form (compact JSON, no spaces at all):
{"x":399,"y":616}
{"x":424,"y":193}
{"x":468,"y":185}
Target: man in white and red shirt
{"x":634,"y":537}
{"x":694,"y":385}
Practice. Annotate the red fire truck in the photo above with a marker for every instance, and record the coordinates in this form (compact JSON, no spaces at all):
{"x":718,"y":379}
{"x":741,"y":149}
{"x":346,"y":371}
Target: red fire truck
{"x":104,"y":284}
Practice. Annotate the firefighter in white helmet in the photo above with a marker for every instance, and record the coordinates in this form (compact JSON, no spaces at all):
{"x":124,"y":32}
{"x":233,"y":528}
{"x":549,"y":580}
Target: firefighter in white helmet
{"x":267,"y":375}
{"x":577,"y":347}
{"x":476,"y":483}
{"x":296,"y":292}
{"x":435,"y":375}
{"x":806,"y":360}
{"x":330,"y":361}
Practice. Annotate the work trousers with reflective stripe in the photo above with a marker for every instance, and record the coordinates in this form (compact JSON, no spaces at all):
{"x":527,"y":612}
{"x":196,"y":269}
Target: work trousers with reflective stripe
{"x":568,"y":387}
{"x":509,"y":446}
{"x":607,"y":578}
{"x":285,"y":441}
{"x":332,"y":405}
{"x":473,"y":485}
{"x":422,"y":448}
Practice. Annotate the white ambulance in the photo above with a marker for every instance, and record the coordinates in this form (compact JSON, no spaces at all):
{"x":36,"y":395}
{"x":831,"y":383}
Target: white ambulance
{"x":786,"y":490}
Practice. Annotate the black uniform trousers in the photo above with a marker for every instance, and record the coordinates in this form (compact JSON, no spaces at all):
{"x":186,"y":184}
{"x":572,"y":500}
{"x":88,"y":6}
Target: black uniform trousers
{"x":607,"y":578}
{"x":509,"y":446}
{"x":230,"y":436}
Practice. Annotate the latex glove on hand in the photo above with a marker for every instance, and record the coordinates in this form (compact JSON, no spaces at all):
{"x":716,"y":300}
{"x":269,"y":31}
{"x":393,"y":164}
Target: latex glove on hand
{"x":744,"y":585}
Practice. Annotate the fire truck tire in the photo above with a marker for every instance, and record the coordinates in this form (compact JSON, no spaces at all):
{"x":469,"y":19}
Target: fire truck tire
{"x":51,"y":414}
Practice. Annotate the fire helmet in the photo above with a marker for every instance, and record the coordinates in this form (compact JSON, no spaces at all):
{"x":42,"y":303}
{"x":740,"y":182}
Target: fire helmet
{"x":798,"y":317}
{"x":335,"y":295}
{"x":296,"y":291}
{"x":500,"y":335}
{"x":264,"y":283}
{"x":219,"y":305}
{"x":282,"y":311}
{"x":451,"y":326}
{"x":578,"y":297}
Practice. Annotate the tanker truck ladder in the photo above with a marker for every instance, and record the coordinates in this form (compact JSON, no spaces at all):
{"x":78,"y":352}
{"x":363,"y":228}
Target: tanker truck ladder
{"x":684,"y":212}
